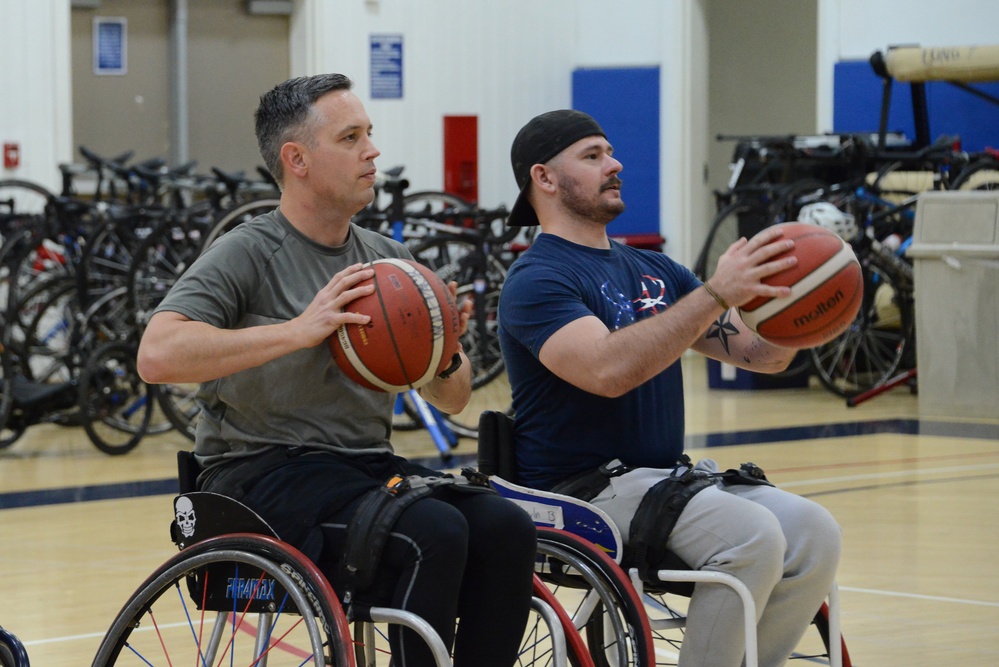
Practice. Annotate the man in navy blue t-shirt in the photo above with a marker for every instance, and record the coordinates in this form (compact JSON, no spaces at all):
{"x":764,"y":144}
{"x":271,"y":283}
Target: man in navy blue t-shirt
{"x":592,"y":333}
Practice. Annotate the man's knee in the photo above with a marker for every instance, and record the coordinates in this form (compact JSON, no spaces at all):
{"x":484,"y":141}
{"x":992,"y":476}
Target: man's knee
{"x":504,"y":531}
{"x":743,"y":539}
{"x":820,"y":537}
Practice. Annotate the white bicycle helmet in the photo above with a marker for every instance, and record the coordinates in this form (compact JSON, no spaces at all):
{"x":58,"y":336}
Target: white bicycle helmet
{"x":828,"y":216}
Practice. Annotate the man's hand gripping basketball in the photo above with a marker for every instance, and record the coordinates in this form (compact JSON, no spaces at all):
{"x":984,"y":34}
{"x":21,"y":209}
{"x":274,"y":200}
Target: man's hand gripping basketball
{"x":330,"y":310}
{"x":739,"y":276}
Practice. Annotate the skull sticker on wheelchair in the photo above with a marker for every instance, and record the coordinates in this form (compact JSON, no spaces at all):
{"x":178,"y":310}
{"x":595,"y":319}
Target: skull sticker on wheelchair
{"x":184,"y":513}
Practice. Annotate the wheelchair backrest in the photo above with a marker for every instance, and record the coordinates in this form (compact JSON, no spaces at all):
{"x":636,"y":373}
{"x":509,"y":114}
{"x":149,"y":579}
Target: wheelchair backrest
{"x":497,"y":459}
{"x":200,"y":515}
{"x":496,"y":452}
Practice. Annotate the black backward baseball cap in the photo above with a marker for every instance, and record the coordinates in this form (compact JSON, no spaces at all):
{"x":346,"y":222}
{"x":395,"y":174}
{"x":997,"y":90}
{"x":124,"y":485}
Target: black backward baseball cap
{"x":543,"y":138}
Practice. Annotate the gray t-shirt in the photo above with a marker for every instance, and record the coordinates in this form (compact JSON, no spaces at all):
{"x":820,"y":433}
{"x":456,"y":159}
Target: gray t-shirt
{"x":265,"y":272}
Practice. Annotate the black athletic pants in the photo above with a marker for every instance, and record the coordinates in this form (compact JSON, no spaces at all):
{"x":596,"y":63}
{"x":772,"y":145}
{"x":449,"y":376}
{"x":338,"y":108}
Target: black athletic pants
{"x":455,"y":554}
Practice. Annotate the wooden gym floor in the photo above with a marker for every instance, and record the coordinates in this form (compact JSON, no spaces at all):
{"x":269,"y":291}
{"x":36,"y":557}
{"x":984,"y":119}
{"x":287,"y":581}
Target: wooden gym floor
{"x":917,"y":501}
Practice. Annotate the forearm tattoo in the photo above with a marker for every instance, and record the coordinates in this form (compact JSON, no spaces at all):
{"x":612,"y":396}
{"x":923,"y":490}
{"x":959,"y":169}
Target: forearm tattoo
{"x":723,"y":329}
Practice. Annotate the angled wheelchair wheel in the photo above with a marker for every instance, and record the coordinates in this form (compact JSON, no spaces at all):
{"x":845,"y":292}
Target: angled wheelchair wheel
{"x":667,"y":617}
{"x":621,"y":626}
{"x":540,"y":646}
{"x":239,"y":599}
{"x":598,"y":597}
{"x":550,"y":639}
{"x":12,"y":652}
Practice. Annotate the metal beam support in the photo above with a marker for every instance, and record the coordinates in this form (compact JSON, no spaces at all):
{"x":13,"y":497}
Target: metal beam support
{"x":179,"y":139}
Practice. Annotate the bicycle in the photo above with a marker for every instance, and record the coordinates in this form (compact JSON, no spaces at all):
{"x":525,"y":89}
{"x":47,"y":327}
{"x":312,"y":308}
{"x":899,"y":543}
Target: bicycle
{"x":882,"y":338}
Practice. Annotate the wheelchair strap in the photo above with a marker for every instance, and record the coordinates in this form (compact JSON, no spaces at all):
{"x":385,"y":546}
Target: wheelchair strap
{"x":587,"y":485}
{"x":661,"y":506}
{"x":658,"y":513}
{"x":377,"y":514}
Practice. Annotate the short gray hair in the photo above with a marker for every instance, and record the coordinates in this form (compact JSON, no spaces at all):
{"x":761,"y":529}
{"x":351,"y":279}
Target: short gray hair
{"x":284,"y":114}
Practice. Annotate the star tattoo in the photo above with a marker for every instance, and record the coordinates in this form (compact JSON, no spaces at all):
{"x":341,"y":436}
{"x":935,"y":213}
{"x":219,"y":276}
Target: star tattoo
{"x":722,"y":329}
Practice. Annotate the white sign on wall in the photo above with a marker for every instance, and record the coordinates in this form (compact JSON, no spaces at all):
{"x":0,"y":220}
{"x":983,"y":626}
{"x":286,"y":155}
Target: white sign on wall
{"x":110,"y":45}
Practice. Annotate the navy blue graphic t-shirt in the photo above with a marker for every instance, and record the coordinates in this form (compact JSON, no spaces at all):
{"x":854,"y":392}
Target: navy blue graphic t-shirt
{"x":562,"y":430}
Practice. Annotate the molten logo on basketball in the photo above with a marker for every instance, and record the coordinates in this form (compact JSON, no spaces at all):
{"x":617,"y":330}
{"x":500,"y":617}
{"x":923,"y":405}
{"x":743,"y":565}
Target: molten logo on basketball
{"x":824,"y":308}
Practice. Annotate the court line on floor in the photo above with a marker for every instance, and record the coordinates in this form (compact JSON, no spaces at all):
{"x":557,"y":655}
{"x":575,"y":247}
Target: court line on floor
{"x":889,"y":474}
{"x":93,"y":635}
{"x":918,"y":596}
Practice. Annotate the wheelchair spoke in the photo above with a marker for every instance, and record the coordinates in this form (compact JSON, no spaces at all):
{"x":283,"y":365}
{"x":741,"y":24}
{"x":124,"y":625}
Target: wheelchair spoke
{"x":265,"y":615}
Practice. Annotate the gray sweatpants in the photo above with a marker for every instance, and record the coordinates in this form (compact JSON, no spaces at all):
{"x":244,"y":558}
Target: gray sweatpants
{"x":785,"y":548}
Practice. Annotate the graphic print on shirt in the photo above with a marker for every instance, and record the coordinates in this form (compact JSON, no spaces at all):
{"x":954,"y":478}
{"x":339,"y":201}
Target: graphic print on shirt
{"x":651,"y":301}
{"x":624,"y":313}
{"x":654,"y":297}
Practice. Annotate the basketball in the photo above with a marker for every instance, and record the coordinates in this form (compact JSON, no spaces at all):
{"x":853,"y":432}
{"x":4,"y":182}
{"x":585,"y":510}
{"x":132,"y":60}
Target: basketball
{"x":413,"y":332}
{"x":827,"y":288}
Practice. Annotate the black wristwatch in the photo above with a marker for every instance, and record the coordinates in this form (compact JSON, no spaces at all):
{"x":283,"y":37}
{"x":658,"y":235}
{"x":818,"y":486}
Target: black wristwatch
{"x":449,"y":371}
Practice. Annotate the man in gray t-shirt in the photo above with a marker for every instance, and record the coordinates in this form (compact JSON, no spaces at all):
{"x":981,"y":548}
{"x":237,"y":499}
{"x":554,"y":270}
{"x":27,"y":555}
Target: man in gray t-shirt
{"x":285,"y":432}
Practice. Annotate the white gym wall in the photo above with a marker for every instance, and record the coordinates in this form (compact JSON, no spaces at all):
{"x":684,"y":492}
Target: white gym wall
{"x":506,"y":61}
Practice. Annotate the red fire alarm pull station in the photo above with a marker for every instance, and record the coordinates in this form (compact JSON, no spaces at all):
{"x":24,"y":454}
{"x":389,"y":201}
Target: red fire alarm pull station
{"x":11,"y":155}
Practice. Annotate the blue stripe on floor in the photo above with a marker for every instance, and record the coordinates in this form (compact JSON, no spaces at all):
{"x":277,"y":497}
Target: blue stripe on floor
{"x":158,"y":487}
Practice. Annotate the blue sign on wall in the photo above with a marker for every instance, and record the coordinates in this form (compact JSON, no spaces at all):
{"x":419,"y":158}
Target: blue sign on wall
{"x":110,"y":45}
{"x":386,"y":67}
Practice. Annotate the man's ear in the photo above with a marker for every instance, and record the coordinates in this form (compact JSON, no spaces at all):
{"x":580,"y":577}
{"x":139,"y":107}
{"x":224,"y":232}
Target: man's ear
{"x":543,"y":178}
{"x":293,"y":157}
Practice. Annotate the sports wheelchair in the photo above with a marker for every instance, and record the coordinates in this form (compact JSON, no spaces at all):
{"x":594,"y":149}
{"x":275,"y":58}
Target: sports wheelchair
{"x":626,"y":620}
{"x":237,"y":594}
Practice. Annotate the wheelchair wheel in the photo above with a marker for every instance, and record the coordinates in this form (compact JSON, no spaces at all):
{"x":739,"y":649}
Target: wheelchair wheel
{"x":240,"y":599}
{"x":537,"y":649}
{"x":666,"y":613}
{"x":599,"y":598}
{"x":12,"y":653}
{"x":621,"y":628}
{"x":550,"y":639}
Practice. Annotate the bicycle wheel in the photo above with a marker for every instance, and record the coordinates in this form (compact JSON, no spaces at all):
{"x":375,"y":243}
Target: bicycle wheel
{"x":979,"y":175}
{"x":180,"y":406}
{"x":110,"y":252}
{"x":897,"y":181}
{"x":432,"y":203}
{"x":165,"y":621}
{"x":229,"y":220}
{"x":8,"y":436}
{"x":41,"y":326}
{"x":599,"y":598}
{"x":116,"y":406}
{"x":880,"y":340}
{"x":18,"y":197}
{"x":743,"y":217}
{"x":159,"y":261}
{"x":480,"y":277}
